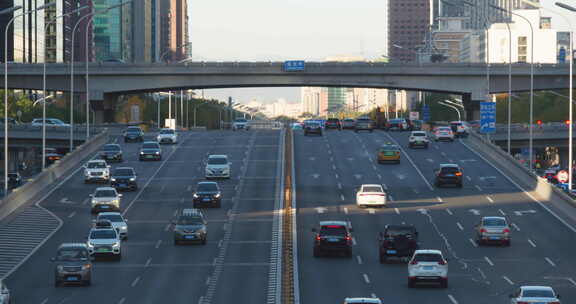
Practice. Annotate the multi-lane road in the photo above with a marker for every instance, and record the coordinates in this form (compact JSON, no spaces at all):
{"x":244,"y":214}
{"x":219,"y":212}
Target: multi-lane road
{"x":329,"y":168}
{"x":240,"y":261}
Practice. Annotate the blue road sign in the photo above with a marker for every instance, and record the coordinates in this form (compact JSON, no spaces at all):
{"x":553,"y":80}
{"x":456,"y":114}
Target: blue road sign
{"x":487,"y":117}
{"x":293,"y":65}
{"x":562,"y":55}
{"x":426,"y":113}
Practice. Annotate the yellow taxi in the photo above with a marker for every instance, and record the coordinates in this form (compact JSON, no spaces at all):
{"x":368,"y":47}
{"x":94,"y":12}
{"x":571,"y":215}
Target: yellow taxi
{"x":389,"y":153}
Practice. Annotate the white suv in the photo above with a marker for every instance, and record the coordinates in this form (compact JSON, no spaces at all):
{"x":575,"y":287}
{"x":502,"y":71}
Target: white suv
{"x":428,"y":265}
{"x":240,"y":124}
{"x":418,"y":138}
{"x":167,"y":136}
{"x":443,"y":133}
{"x":218,"y":166}
{"x":104,"y":241}
{"x":4,"y":293}
{"x":96,"y":170}
{"x":535,"y":295}
{"x":105,"y":199}
{"x":371,"y":195}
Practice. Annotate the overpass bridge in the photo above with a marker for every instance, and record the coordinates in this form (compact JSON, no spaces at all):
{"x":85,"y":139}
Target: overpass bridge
{"x":108,"y":80}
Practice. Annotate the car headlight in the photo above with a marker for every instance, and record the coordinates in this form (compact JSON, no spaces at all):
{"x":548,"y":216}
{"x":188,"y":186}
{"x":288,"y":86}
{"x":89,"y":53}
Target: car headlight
{"x":94,"y":202}
{"x":132,"y":179}
{"x":116,"y":245}
{"x":195,"y":195}
{"x":90,"y":245}
{"x":217,"y":195}
{"x":141,"y":152}
{"x":86,"y":266}
{"x":60,"y":268}
{"x":157,"y":152}
{"x":113,"y":179}
{"x":124,"y":228}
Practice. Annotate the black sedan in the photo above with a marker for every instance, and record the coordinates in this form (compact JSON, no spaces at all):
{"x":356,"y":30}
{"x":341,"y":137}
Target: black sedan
{"x":14,"y":180}
{"x":124,"y":178}
{"x":207,"y":194}
{"x":150,"y":151}
{"x":111,"y":152}
{"x":133,"y":134}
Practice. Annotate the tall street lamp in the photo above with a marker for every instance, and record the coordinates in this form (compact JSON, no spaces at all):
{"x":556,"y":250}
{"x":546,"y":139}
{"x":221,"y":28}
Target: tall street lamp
{"x":9,"y":10}
{"x":44,"y":83}
{"x":72,"y":66}
{"x":531,"y":127}
{"x":453,"y":107}
{"x":570,"y":96}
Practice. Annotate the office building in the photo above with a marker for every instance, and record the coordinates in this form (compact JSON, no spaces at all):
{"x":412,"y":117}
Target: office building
{"x":26,"y":34}
{"x":408,"y":24}
{"x":142,"y":30}
{"x":112,"y":31}
{"x":174,"y":30}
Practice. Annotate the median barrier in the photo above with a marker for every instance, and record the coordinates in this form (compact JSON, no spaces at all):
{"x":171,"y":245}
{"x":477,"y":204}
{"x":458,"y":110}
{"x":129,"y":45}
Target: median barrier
{"x":539,"y":187}
{"x":24,"y":194}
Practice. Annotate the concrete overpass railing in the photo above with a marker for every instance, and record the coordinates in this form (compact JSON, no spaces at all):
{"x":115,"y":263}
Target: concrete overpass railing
{"x":42,"y":182}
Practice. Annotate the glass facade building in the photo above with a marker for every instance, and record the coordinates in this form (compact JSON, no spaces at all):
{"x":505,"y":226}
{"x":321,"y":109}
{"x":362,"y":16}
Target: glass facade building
{"x":108,"y":31}
{"x":26,"y":34}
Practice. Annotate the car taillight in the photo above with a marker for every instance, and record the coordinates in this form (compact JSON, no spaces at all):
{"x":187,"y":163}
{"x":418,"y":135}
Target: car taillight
{"x":348,"y":238}
{"x":443,"y":262}
{"x":506,"y":230}
{"x":317,"y":237}
{"x":482,"y":230}
{"x":397,"y":153}
{"x":551,"y":302}
{"x":522,"y":302}
{"x":413,"y":262}
{"x":458,"y":173}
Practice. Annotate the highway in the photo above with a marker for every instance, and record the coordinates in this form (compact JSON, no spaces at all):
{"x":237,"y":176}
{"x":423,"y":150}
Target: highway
{"x":328,"y":168}
{"x":238,"y":261}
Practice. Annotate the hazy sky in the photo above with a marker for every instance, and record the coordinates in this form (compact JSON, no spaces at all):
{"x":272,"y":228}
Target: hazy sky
{"x":262,"y":30}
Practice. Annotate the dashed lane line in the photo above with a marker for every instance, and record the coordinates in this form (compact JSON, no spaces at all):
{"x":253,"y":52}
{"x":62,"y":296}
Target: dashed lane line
{"x":515,"y":226}
{"x":359,"y":259}
{"x":342,"y":197}
{"x":366,"y":278}
{"x":397,"y":211}
{"x":571,"y":280}
{"x":487,"y":259}
{"x":532,"y":243}
{"x":507,"y":280}
{"x":345,"y":210}
{"x":122,"y":301}
{"x":459,"y":226}
{"x":452,"y":299}
{"x":473,"y":242}
{"x":502,"y":212}
{"x":158,"y":244}
{"x":489,"y":199}
{"x":550,"y":262}
{"x":449,"y":211}
{"x":439,"y":199}
{"x":135,"y":281}
{"x":478,"y":187}
{"x":71,"y":215}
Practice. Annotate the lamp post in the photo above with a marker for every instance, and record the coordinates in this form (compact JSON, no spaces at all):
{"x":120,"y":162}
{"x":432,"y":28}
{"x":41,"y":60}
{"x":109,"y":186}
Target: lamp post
{"x":71,"y":146}
{"x":570,"y":98}
{"x":453,"y":107}
{"x":44,"y":84}
{"x":9,"y":10}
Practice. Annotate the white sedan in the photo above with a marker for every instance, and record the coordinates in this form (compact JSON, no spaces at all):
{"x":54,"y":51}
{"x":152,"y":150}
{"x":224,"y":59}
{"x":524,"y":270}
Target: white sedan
{"x":167,"y":136}
{"x":371,"y":195}
{"x":535,"y":294}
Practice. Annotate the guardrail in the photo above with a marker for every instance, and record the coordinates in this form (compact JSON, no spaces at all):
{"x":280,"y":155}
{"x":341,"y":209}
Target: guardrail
{"x":24,"y":194}
{"x":289,"y":270}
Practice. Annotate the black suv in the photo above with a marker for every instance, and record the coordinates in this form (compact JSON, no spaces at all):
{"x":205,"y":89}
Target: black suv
{"x":72,"y":264}
{"x":207,"y":194}
{"x":133,"y":134}
{"x":333,"y":237}
{"x":398,"y":241}
{"x":124,"y":178}
{"x":111,"y":152}
{"x":312,"y":127}
{"x":150,"y":150}
{"x":333,"y":123}
{"x":449,"y":174}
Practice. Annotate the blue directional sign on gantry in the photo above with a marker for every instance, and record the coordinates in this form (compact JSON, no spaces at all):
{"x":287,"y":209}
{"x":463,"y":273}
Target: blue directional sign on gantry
{"x":487,"y":117}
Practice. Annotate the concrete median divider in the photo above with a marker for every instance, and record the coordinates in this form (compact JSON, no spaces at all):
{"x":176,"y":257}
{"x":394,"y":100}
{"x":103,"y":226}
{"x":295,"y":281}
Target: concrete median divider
{"x":537,"y":186}
{"x":27,"y":192}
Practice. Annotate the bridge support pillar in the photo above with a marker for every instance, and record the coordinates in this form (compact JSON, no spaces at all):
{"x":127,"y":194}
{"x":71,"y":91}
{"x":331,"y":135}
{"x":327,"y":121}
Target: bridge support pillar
{"x":104,"y":107}
{"x":472,"y":107}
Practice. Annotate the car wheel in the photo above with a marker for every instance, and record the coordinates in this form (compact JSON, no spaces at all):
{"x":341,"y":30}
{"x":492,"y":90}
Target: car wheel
{"x":444,"y":283}
{"x":383,"y":259}
{"x":411,"y":283}
{"x":56,"y":283}
{"x":317,"y":253}
{"x":86,"y":181}
{"x":204,"y":241}
{"x":88,"y":282}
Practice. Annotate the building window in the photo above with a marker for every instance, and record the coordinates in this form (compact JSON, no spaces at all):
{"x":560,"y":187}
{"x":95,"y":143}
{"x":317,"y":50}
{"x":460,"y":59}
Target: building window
{"x":522,"y":48}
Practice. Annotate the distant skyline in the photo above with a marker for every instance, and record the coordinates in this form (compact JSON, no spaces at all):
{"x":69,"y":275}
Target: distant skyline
{"x":265,"y":30}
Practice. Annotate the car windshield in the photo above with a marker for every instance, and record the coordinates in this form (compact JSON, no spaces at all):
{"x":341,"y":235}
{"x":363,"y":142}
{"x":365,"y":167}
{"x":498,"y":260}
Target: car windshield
{"x":96,"y":165}
{"x":241,"y":120}
{"x":531,"y":293}
{"x":443,"y":129}
{"x":103,"y":234}
{"x":312,"y":124}
{"x":190,"y":221}
{"x":124,"y":172}
{"x":399,"y":231}
{"x":450,"y":170}
{"x":115,"y":218}
{"x":419,"y":134}
{"x":207,"y":187}
{"x":167,"y":131}
{"x":217,"y":161}
{"x":67,"y":254}
{"x":111,"y":148}
{"x":493,"y":222}
{"x":336,"y":230}
{"x":105,"y":193}
{"x":428,"y":257}
{"x":132,"y":130}
{"x":372,"y":189}
{"x":150,"y":146}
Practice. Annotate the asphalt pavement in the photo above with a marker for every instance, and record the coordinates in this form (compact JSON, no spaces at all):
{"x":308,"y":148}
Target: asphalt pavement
{"x":238,"y":261}
{"x":328,"y":169}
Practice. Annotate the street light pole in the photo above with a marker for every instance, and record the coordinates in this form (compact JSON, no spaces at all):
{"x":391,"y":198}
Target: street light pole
{"x":509,"y":86}
{"x":15,"y":8}
{"x":453,"y":107}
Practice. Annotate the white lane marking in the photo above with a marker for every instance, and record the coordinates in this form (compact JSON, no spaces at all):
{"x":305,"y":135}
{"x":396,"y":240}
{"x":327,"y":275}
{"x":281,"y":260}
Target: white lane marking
{"x":72,"y":214}
{"x":366,"y":278}
{"x":45,"y":301}
{"x":135,"y":281}
{"x":515,"y":226}
{"x":345,"y":210}
{"x":413,"y":164}
{"x":340,"y":186}
{"x":148,"y":262}
{"x":167,"y":227}
{"x":162,"y":188}
{"x":371,"y":211}
{"x":175,"y":213}
{"x":189,"y":188}
{"x":443,"y":154}
{"x":550,"y":262}
{"x":473,"y":242}
{"x":439,"y":199}
{"x":354,"y":241}
{"x":331,"y":159}
{"x":220,"y":243}
{"x":435,"y":147}
{"x":158,"y":244}
{"x":532,"y":243}
{"x":508,"y":280}
{"x":460,"y":226}
{"x":449,"y":211}
{"x":122,"y":301}
{"x":489,"y":199}
{"x":572,"y":281}
{"x":478,"y":187}
{"x":397,"y":211}
{"x":379,"y":176}
{"x":342,"y":197}
{"x":469,"y":178}
{"x":502,"y":212}
{"x":333,"y":167}
{"x":487,"y":259}
{"x":524,"y":190}
{"x":452,"y":299}
{"x":415,"y":190}
{"x":337,"y":176}
{"x":359,"y":259}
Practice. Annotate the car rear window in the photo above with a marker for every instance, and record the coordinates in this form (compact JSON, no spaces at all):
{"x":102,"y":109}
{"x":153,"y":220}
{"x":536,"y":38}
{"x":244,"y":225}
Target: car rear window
{"x":419,"y":134}
{"x":530,"y":293}
{"x":333,"y":230}
{"x":428,"y":257}
{"x":372,"y":189}
{"x":114,"y":218}
{"x":311,"y":124}
{"x":207,"y":187}
{"x":450,"y":170}
{"x":494,"y":222}
{"x":399,"y":231}
{"x":333,"y":119}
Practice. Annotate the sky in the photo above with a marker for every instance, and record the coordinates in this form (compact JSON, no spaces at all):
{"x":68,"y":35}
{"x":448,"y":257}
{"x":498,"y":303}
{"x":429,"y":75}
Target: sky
{"x":278,"y":30}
